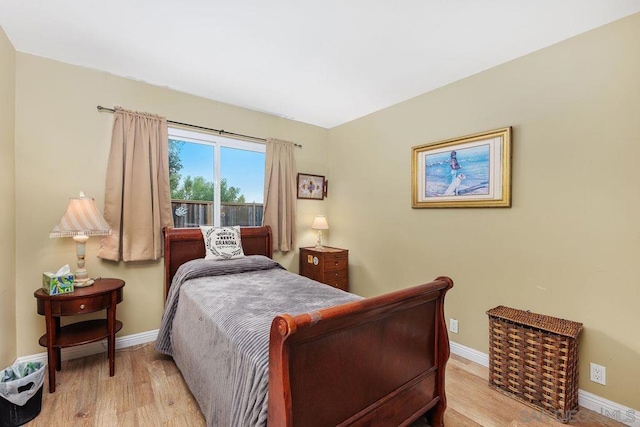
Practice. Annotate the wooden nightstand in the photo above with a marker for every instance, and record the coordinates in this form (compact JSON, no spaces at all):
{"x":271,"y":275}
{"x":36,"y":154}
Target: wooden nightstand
{"x":103,"y":294}
{"x":327,"y":265}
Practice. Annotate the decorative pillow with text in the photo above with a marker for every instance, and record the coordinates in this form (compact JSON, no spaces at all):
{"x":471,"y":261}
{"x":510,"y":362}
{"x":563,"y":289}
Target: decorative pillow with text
{"x":222,"y":242}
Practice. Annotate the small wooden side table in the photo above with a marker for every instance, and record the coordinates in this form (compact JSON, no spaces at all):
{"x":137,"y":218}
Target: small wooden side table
{"x":103,"y":294}
{"x":327,"y":265}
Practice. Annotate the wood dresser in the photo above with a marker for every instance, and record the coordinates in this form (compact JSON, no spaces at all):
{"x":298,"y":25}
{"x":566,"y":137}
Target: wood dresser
{"x":327,"y":265}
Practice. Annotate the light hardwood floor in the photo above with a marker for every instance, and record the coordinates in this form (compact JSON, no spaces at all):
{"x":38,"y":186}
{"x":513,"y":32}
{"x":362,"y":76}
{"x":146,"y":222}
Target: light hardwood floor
{"x":148,"y":390}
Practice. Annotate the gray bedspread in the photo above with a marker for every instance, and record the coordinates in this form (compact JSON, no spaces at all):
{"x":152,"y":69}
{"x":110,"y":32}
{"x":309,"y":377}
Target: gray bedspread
{"x":216,"y":327}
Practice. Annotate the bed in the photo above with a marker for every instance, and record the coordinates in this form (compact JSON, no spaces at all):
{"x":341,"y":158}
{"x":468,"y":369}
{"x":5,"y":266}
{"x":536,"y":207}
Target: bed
{"x":357,"y":361}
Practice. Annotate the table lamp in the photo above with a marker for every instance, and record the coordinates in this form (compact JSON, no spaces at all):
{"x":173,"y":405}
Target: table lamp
{"x":320,"y":223}
{"x":81,"y":220}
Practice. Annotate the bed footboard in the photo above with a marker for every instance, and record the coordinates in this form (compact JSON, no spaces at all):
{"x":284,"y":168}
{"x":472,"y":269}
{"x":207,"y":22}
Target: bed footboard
{"x":378,"y":361}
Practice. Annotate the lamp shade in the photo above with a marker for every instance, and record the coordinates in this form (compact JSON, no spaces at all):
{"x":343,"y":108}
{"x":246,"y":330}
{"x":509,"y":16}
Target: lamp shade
{"x":82,"y":218}
{"x":320,"y":223}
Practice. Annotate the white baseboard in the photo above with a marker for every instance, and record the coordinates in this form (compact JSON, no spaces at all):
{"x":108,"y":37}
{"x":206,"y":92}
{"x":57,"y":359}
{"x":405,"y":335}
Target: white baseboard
{"x":470,"y":354}
{"x":614,"y":410}
{"x":618,"y":412}
{"x":94,"y":347}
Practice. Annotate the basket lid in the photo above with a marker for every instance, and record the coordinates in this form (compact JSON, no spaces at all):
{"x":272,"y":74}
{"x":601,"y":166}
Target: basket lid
{"x":556,"y":325}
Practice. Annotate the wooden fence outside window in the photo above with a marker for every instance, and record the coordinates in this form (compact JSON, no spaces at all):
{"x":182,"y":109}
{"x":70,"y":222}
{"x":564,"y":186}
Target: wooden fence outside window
{"x":193,"y":213}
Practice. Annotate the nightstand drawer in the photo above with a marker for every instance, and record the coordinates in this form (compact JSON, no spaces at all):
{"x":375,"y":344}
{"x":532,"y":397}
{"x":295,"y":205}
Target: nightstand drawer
{"x":335,"y":263}
{"x":79,"y":306}
{"x":339,"y":283}
{"x":336,"y":274}
{"x":336,"y":255}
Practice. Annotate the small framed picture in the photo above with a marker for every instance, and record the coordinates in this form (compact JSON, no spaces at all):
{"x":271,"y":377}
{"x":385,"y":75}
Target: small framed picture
{"x":312,"y":187}
{"x":466,"y":172}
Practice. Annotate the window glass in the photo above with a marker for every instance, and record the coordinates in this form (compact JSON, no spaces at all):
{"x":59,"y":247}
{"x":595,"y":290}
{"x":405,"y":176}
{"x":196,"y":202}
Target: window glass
{"x":214,"y":180}
{"x":241,"y":186}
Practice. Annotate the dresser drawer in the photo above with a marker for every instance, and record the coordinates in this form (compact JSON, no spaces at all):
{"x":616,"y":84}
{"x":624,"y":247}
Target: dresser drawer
{"x":341,"y":273}
{"x":336,"y":255}
{"x":335,"y":263}
{"x":338,"y":283}
{"x":79,"y":306}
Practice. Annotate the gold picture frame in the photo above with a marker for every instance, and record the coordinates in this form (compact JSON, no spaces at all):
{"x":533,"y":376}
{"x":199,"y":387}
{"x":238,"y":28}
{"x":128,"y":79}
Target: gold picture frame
{"x":472,"y":171}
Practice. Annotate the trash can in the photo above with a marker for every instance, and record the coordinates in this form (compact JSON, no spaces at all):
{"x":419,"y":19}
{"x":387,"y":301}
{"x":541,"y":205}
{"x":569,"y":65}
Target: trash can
{"x":21,"y":393}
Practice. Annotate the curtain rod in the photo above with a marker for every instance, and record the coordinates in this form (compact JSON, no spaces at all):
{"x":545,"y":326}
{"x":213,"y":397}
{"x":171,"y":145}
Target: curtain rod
{"x":218,"y":131}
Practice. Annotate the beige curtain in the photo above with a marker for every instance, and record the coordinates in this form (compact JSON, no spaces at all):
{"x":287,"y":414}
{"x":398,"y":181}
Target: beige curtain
{"x":280,"y":194}
{"x":137,"y":197}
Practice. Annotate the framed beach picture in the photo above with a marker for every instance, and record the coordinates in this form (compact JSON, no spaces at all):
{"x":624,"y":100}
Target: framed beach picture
{"x":473,"y":171}
{"x":311,"y":186}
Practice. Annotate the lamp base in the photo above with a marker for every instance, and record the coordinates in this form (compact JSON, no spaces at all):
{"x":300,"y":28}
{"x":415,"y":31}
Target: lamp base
{"x":82,"y":283}
{"x":82,"y":277}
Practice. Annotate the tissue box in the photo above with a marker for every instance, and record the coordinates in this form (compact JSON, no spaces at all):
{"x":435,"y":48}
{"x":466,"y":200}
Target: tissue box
{"x":56,"y":285}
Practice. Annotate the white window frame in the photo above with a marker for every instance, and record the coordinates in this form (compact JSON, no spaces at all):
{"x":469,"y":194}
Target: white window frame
{"x":217,"y":142}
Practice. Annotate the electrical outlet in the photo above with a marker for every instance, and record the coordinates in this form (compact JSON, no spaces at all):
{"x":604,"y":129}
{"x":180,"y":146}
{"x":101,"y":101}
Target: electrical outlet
{"x":598,"y":374}
{"x":453,"y":325}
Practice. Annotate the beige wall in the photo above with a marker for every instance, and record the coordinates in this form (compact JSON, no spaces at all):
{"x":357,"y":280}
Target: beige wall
{"x":569,"y":246}
{"x":62,"y":144}
{"x":7,"y":207}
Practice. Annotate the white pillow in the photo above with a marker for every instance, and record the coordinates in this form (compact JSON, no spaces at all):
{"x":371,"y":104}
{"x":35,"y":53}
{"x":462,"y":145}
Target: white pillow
{"x":222,"y":242}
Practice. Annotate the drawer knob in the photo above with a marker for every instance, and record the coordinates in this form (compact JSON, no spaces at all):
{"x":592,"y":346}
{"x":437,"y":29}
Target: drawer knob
{"x":81,"y":306}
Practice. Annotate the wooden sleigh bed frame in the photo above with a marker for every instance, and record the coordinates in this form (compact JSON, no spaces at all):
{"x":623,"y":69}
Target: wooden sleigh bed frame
{"x":389,"y":352}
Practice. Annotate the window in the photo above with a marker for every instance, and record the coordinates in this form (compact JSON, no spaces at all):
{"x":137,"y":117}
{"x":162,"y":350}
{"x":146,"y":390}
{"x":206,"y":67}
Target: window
{"x":215,"y":180}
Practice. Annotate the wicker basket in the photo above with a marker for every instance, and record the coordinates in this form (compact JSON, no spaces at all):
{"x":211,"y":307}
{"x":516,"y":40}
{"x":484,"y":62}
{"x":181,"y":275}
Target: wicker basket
{"x":534,"y":359}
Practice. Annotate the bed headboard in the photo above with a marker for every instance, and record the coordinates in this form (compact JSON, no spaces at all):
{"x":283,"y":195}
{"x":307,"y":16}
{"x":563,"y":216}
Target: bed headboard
{"x":184,"y":244}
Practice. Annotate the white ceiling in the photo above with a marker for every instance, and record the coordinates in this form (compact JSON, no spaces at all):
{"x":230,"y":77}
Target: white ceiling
{"x":321,"y":62}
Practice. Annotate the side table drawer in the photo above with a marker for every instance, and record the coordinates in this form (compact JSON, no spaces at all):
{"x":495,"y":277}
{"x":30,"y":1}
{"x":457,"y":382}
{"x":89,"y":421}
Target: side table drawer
{"x":79,"y":306}
{"x":331,"y":275}
{"x":334,"y":263}
{"x":339,"y":283}
{"x":336,"y":256}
